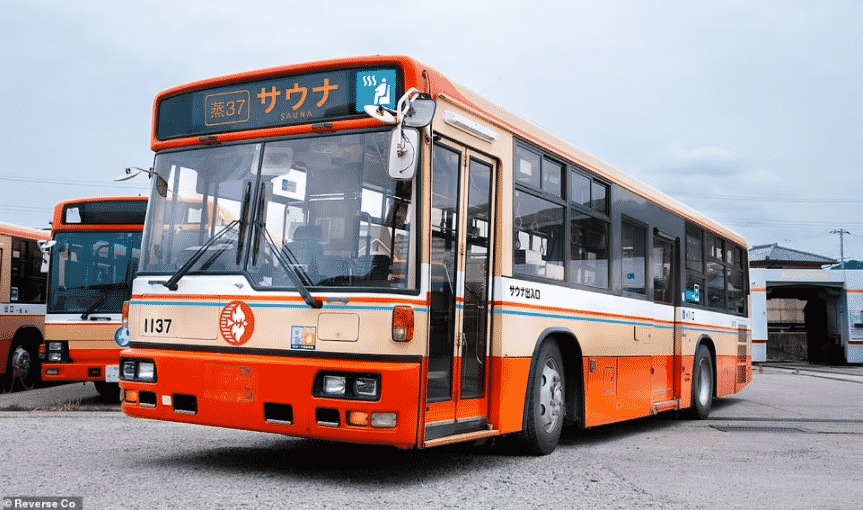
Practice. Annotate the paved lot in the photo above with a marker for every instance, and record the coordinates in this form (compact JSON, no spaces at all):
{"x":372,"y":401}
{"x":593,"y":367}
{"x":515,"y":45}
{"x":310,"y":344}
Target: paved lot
{"x":65,"y":397}
{"x":790,"y":440}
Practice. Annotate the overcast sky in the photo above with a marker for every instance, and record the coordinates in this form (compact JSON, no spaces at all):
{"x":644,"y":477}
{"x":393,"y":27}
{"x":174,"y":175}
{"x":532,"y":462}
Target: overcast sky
{"x":749,"y":111}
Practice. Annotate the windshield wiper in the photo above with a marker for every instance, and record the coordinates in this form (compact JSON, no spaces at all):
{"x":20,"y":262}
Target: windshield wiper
{"x":172,"y":283}
{"x":259,"y":226}
{"x":291,"y":268}
{"x":244,"y":222}
{"x":106,"y":289}
{"x":95,"y":305}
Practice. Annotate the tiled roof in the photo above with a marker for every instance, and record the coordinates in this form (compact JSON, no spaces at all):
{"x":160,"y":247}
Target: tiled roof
{"x":775,"y":253}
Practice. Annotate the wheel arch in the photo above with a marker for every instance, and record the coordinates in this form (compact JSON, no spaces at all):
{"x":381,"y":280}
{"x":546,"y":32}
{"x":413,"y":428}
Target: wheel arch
{"x":573,"y":366}
{"x":27,"y":334}
{"x":706,"y":341}
{"x":29,"y":337}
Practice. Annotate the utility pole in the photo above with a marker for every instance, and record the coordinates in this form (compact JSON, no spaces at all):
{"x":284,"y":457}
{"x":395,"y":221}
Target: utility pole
{"x":841,"y":233}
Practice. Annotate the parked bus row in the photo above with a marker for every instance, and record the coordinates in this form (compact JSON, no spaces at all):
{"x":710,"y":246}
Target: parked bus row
{"x":362,"y":250}
{"x":63,"y":293}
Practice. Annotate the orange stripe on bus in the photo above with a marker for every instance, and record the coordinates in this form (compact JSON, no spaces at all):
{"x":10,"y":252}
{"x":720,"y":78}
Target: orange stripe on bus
{"x":628,"y":318}
{"x":287,"y":299}
{"x":586,"y":313}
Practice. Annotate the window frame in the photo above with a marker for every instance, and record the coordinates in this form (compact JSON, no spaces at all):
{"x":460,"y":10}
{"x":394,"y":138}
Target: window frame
{"x":643,"y":228}
{"x":716,"y":251}
{"x":571,"y":209}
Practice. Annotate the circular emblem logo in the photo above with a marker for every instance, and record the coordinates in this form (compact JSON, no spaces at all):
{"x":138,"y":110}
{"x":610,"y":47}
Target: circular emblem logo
{"x":121,"y":336}
{"x":236,"y":323}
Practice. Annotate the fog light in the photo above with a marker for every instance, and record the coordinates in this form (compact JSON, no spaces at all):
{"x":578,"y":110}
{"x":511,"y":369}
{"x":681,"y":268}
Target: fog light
{"x":384,"y":420}
{"x":335,"y":384}
{"x":146,"y":371}
{"x":130,"y":396}
{"x":366,"y":387}
{"x":55,"y":356}
{"x":358,"y":418}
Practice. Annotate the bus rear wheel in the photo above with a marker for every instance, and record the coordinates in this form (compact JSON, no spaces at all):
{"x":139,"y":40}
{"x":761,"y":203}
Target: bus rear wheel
{"x":545,"y":411}
{"x":702,"y":384}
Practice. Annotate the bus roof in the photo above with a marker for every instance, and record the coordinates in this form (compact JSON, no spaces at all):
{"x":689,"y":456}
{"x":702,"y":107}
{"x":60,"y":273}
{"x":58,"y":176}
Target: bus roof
{"x":431,"y":81}
{"x":25,"y":232}
{"x":120,"y":218}
{"x":544,"y":139}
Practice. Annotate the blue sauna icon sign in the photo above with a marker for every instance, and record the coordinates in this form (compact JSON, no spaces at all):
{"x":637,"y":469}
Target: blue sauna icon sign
{"x":376,"y":88}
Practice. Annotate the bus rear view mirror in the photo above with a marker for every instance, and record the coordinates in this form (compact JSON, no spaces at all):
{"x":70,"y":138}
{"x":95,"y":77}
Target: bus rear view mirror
{"x":404,"y":148}
{"x":420,"y":112}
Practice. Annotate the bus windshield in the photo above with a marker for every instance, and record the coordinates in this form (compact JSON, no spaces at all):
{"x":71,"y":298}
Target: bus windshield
{"x":321,"y":208}
{"x":92,"y":272}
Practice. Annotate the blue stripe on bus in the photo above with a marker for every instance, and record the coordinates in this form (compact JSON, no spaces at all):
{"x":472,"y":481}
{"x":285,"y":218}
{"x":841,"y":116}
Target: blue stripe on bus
{"x":584,"y":319}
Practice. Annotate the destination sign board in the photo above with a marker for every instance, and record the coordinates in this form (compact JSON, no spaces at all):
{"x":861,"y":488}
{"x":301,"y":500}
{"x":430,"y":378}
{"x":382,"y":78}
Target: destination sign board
{"x":284,"y":101}
{"x":109,"y":212}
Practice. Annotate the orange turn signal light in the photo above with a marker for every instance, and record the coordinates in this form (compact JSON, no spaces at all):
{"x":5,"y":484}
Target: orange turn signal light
{"x":131,"y":396}
{"x":403,"y":324}
{"x":125,"y":316}
{"x":358,"y":418}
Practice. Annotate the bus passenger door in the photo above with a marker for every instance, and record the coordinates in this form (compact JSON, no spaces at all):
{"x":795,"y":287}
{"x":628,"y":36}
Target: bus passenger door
{"x":5,"y":282}
{"x":665,"y":385}
{"x":461,"y":249}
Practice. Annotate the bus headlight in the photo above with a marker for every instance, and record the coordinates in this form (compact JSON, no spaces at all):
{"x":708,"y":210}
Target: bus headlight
{"x":348,"y":386}
{"x":366,"y":387}
{"x":147,"y":371}
{"x":55,"y":351}
{"x":138,"y":370}
{"x":129,"y":369}
{"x":335,"y":385}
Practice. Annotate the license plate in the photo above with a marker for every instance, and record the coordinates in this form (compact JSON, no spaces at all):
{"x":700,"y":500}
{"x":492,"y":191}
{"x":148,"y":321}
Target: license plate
{"x":112,"y":373}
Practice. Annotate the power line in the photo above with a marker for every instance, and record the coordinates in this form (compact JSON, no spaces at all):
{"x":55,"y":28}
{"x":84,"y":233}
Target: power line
{"x":15,"y":208}
{"x":68,"y":182}
{"x":784,"y":223}
{"x":793,"y":200}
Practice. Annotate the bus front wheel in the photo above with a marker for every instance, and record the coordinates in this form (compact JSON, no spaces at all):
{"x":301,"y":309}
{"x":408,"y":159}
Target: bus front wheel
{"x":110,"y":392}
{"x":23,"y":368}
{"x":545,"y":411}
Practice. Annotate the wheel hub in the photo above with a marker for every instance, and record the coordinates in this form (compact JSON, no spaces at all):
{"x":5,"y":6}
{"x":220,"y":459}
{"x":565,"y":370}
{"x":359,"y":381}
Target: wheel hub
{"x":21,"y":362}
{"x":551,"y":397}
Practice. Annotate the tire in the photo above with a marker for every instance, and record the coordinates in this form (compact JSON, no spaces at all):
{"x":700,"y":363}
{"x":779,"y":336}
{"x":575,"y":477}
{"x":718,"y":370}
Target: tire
{"x":110,"y":392}
{"x":546,"y":407}
{"x":23,"y":370}
{"x":6,"y":380}
{"x":702,"y":384}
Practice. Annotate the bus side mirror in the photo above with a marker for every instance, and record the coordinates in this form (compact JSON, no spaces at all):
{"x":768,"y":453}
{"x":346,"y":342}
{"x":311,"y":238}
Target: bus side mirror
{"x":420,"y":112}
{"x":45,"y":248}
{"x":403,"y":153}
{"x":413,"y":111}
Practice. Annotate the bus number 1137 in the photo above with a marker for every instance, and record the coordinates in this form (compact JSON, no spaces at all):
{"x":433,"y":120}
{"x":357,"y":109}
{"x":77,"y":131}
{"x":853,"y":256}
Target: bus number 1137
{"x":157,"y":325}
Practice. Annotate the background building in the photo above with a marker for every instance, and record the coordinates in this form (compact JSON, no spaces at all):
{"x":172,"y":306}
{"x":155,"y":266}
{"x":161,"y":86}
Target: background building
{"x":804,"y":308}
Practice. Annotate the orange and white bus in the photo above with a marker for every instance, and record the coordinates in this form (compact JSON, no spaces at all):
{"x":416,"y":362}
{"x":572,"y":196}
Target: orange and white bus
{"x":412,"y":265}
{"x":94,"y":250}
{"x":22,"y":305}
